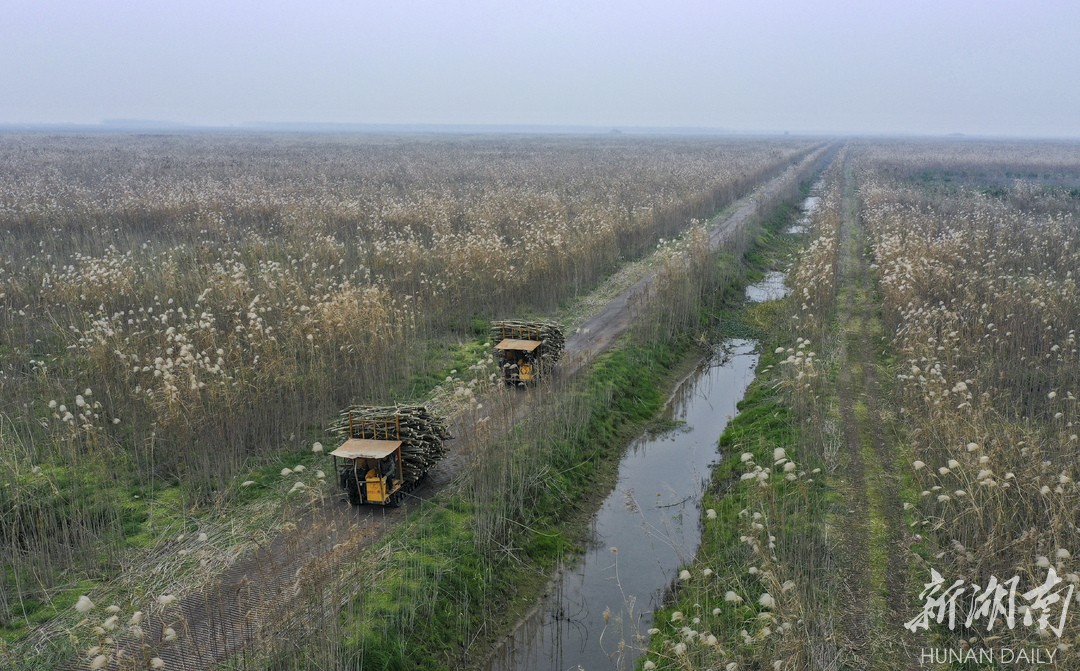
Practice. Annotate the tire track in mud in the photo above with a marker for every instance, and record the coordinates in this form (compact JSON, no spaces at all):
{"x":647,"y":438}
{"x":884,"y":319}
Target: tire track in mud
{"x":872,"y":554}
{"x":271,"y":591}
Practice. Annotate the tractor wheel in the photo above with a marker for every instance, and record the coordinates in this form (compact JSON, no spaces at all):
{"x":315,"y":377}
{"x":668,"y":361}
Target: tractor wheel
{"x":352,"y":488}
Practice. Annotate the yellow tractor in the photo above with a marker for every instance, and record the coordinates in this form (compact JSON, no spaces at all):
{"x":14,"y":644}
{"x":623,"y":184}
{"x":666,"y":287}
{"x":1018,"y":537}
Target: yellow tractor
{"x":519,"y":360}
{"x":526,"y":351}
{"x":387,"y":451}
{"x":371,"y":471}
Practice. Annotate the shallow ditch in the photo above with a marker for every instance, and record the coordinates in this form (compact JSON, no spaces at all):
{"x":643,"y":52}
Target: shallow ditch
{"x":599,"y":606}
{"x":809,"y":205}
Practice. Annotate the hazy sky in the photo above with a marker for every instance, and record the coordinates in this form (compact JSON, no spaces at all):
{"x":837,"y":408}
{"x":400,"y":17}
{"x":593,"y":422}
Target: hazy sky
{"x":917,"y":66}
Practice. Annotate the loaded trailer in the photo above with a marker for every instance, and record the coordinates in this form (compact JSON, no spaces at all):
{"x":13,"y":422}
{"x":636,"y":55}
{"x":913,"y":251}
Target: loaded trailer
{"x":387,"y":452}
{"x":526,"y":351}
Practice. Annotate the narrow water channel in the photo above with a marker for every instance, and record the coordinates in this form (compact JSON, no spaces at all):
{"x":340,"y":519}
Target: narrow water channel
{"x":809,"y":205}
{"x":644,"y":531}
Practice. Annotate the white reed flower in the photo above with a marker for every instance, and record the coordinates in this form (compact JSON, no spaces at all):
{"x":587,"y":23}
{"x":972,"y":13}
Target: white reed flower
{"x":732,"y":597}
{"x":767,"y":601}
{"x":202,"y":537}
{"x":316,"y":447}
{"x":166,"y":600}
{"x":684,"y":575}
{"x":84,"y":604}
{"x":710,"y":514}
{"x":169,"y":634}
{"x":247,"y":483}
{"x":299,"y":468}
{"x":918,"y":465}
{"x":285,"y":472}
{"x":157,"y":663}
{"x":99,"y":662}
{"x":778,"y":454}
{"x":136,"y":618}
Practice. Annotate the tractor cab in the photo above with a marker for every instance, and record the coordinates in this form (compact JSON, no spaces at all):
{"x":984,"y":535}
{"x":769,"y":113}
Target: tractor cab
{"x":371,"y":470}
{"x":520,"y":363}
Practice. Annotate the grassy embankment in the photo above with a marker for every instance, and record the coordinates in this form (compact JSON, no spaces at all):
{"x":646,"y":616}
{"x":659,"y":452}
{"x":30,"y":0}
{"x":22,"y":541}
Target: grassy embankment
{"x":463,"y":566}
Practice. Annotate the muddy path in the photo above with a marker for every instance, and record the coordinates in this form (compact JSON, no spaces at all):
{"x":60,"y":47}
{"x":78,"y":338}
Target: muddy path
{"x":872,"y":572}
{"x":265,"y":593}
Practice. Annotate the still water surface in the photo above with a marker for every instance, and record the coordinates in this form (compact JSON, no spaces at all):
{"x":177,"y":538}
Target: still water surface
{"x":645,"y":530}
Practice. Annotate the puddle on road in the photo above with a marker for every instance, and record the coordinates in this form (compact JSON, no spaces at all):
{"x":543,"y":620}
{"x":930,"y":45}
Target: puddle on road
{"x":644,"y":531}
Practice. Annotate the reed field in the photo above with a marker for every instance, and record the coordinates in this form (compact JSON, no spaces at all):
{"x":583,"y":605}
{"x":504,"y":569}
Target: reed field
{"x":183,"y":319}
{"x":979,"y":295}
{"x":178,"y":311}
{"x":915,"y":412}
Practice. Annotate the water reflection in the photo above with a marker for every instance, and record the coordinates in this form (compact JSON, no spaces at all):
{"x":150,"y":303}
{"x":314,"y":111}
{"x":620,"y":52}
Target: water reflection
{"x":599,"y":608}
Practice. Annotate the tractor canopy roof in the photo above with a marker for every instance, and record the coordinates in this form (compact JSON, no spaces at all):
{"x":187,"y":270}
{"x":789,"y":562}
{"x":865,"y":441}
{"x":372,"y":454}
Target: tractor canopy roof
{"x":520,"y":345}
{"x":365,"y":448}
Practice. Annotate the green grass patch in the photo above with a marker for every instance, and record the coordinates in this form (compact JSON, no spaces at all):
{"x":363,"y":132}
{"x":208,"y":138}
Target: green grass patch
{"x":442,"y":357}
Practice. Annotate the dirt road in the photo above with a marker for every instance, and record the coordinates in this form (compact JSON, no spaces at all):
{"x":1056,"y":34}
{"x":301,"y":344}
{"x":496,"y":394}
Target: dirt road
{"x":871,"y":580}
